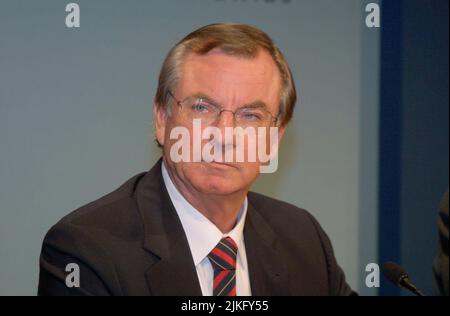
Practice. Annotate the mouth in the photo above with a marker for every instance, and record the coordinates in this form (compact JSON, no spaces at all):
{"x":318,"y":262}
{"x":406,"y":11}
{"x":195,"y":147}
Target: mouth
{"x":220,"y":165}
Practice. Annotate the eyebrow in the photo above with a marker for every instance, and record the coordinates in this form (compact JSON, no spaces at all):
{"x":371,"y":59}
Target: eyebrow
{"x":255,"y":104}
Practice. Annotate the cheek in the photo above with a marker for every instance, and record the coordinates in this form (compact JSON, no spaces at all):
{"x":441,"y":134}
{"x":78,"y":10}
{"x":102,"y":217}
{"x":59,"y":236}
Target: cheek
{"x":168,"y":130}
{"x":257,"y":149}
{"x":250,"y":171}
{"x":181,"y":138}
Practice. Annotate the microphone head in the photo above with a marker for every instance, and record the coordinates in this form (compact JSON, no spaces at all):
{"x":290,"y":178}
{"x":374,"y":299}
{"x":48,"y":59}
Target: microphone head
{"x":394,"y":273}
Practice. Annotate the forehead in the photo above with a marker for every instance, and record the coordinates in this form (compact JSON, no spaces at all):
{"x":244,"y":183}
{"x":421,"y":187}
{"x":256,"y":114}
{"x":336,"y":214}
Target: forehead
{"x":230,"y":79}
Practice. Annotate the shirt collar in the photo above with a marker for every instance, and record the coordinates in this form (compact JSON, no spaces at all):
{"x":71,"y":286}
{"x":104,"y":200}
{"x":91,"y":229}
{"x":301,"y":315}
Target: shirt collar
{"x":201,"y":233}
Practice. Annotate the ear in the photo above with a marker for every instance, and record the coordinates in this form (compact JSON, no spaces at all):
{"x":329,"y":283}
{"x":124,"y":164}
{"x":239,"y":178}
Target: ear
{"x":160,"y":115}
{"x":281,"y":130}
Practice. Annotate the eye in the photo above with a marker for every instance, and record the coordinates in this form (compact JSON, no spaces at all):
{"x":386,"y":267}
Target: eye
{"x":251,"y":116}
{"x":201,"y":106}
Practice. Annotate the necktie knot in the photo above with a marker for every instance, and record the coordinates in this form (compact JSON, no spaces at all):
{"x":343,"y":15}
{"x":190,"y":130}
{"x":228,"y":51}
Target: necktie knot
{"x":223,"y":256}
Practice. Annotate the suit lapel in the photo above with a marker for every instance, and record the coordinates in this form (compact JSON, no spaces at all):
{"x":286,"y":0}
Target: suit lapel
{"x":268,"y":272}
{"x":173,"y":272}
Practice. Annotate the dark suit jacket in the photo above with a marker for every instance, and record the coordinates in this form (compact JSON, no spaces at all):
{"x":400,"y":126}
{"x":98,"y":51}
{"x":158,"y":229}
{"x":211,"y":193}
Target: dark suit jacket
{"x":131,"y":242}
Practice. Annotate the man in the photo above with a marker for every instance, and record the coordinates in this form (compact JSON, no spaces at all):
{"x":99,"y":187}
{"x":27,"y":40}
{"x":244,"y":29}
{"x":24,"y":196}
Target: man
{"x":191,"y":226}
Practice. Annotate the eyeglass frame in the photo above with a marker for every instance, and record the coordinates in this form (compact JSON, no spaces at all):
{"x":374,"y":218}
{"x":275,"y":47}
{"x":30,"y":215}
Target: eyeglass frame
{"x":221,"y":110}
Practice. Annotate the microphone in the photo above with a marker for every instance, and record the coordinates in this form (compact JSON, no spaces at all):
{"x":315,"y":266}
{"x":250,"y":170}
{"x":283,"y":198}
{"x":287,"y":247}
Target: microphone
{"x":395,"y":273}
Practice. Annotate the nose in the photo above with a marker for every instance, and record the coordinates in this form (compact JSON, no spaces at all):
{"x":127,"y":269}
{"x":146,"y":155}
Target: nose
{"x":225,"y":119}
{"x":225,"y":122}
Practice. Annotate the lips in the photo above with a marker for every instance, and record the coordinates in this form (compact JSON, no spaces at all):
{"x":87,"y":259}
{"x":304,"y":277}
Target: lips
{"x":220,"y":164}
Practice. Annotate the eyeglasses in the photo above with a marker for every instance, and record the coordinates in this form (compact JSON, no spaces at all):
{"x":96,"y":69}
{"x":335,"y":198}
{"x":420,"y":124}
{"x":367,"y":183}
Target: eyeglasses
{"x":201,"y":108}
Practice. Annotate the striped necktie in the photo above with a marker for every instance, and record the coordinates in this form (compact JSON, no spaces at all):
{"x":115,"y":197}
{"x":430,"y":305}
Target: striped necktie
{"x":223,"y":261}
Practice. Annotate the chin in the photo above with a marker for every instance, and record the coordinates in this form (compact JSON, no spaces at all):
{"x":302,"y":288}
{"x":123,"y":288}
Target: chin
{"x":211,"y":181}
{"x":216,"y":185}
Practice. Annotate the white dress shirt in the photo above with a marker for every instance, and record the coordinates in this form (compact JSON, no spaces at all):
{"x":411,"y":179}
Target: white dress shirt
{"x":203,"y":236}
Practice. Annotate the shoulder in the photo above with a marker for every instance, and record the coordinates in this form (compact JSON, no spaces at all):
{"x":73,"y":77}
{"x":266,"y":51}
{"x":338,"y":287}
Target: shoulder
{"x":304,"y":241}
{"x":101,"y":237}
{"x":295,"y":227}
{"x":282,"y":215}
{"x":113,"y":215}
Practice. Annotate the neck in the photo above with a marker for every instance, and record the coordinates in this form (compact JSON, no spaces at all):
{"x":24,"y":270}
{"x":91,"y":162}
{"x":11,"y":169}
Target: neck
{"x":221,"y":210}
